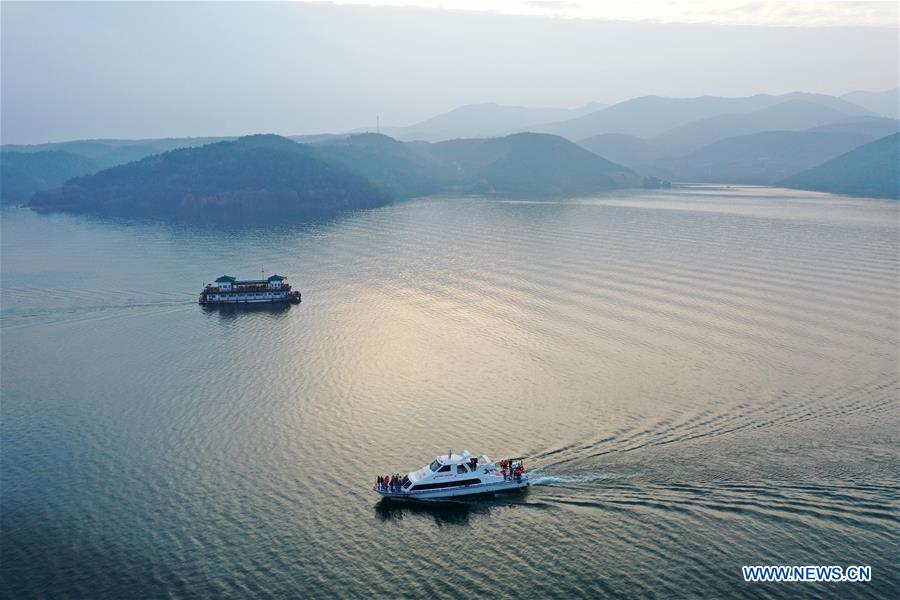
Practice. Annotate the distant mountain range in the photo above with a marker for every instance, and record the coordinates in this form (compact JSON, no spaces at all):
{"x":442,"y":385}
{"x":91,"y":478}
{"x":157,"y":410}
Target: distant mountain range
{"x":885,"y":104}
{"x":872,"y":127}
{"x":484,"y":121}
{"x":759,"y":158}
{"x":707,"y":138}
{"x":271,"y":176}
{"x":869,"y":170}
{"x":789,"y":115}
{"x":760,"y":147}
{"x":483,"y":148}
{"x":652,"y":116}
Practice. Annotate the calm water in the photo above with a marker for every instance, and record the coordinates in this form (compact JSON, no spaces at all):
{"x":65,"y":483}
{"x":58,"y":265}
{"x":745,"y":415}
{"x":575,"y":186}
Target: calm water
{"x":703,"y":378}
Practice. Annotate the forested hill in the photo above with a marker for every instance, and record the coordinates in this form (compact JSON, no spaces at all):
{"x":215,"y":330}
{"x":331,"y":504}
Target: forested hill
{"x":259,"y":176}
{"x":268,"y":175}
{"x":870,"y":170}
{"x":527,"y":164}
{"x":521,"y":164}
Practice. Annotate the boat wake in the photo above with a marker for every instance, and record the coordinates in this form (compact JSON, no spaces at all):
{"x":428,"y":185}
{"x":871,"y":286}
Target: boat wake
{"x":562,"y":480}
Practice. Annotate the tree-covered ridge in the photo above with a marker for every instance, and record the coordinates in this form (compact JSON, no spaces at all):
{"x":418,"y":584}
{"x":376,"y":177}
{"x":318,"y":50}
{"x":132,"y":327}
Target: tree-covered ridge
{"x":870,"y":170}
{"x":268,"y":175}
{"x":261,"y":175}
{"x":528,"y":164}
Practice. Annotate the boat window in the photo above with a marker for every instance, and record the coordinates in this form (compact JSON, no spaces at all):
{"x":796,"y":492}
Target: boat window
{"x":406,"y":482}
{"x":460,"y":469}
{"x":434,"y":466}
{"x":444,"y":469}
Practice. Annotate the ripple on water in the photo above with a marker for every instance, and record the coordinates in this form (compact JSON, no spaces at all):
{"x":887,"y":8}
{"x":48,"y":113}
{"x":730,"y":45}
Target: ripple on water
{"x":702,"y":378}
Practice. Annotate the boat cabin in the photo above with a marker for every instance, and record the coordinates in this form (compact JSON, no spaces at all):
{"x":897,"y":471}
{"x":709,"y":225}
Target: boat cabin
{"x":225,"y":283}
{"x":449,"y":470}
{"x":276,"y":281}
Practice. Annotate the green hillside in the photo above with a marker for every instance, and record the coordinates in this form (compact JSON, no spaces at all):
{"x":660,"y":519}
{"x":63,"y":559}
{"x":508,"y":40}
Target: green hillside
{"x":392,"y":166}
{"x":870,"y":170}
{"x":259,"y":176}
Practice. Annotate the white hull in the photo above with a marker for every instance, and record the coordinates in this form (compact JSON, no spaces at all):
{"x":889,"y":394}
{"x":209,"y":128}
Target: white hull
{"x":248,"y":300}
{"x":488,"y":487}
{"x":455,"y":476}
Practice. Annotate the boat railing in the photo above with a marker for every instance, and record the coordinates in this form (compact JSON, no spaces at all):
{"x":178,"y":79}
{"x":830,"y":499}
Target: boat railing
{"x":246,"y":288}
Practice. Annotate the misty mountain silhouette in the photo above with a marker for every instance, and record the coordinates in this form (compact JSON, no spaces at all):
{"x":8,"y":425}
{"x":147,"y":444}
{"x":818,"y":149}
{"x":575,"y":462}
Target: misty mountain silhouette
{"x":650,"y":116}
{"x":527,"y":164}
{"x":759,"y":158}
{"x":790,"y":115}
{"x":870,"y":170}
{"x":24,"y":173}
{"x":886,"y":103}
{"x":486,"y":120}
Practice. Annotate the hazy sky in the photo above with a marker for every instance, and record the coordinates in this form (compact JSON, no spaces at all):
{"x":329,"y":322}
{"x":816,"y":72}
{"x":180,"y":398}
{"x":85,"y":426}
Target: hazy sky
{"x":80,"y":70}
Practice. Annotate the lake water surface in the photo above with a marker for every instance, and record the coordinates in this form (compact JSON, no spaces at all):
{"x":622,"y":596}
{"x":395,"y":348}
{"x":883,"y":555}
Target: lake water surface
{"x":703,"y":378}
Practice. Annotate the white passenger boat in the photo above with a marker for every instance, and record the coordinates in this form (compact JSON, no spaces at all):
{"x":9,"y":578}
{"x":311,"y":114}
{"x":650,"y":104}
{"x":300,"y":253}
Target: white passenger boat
{"x":453,"y":475}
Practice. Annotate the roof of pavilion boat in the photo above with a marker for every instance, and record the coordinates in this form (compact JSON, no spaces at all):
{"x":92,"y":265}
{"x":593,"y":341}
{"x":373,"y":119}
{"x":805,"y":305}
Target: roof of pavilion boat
{"x":453,"y":475}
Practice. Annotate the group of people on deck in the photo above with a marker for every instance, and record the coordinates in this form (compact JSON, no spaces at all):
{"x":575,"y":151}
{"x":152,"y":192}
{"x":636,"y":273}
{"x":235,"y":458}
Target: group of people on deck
{"x":389,"y":483}
{"x":512,"y":470}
